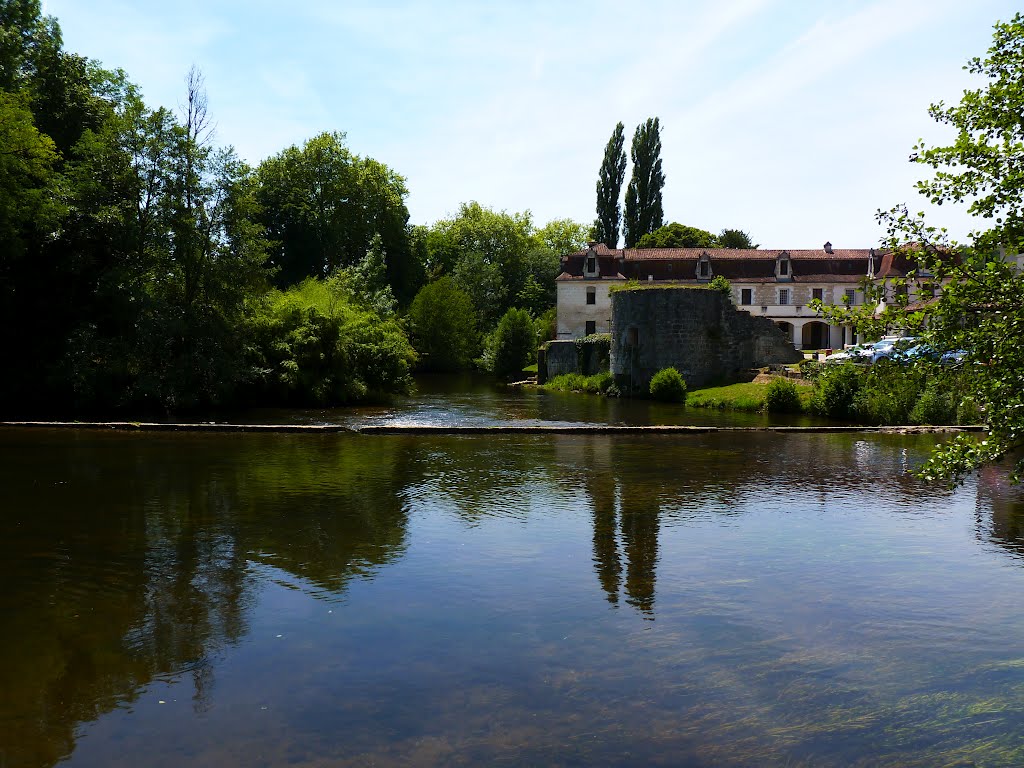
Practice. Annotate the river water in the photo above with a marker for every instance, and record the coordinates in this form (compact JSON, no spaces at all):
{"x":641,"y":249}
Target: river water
{"x":342,"y":599}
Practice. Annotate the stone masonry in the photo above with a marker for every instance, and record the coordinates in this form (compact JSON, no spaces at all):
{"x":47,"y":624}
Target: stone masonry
{"x":694,"y":330}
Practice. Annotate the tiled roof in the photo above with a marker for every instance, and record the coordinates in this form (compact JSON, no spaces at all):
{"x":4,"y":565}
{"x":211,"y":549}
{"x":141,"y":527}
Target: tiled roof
{"x":746,"y":254}
{"x":567,"y":276}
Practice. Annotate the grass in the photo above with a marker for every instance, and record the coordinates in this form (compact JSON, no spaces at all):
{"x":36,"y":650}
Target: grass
{"x":577,"y":382}
{"x":738,"y":397}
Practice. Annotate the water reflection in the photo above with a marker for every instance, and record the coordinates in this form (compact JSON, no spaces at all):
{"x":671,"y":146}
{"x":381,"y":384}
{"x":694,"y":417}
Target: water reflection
{"x":715,"y":599}
{"x":131,"y":560}
{"x":999,"y":516}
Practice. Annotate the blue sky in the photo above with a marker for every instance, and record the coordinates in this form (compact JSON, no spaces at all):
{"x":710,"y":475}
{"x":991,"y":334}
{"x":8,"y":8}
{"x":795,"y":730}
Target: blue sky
{"x":790,"y":120}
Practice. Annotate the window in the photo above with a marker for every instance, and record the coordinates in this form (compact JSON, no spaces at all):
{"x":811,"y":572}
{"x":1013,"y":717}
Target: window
{"x":851,"y":296}
{"x":591,"y":327}
{"x":818,"y":293}
{"x":705,"y":268}
{"x":591,"y":295}
{"x":747,"y":296}
{"x":784,"y":267}
{"x":591,"y":266}
{"x":784,"y":295}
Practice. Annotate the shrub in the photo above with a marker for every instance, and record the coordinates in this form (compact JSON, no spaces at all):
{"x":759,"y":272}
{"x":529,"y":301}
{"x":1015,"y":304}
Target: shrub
{"x":782,"y":396}
{"x":668,"y":385}
{"x":835,"y":390}
{"x":936,"y":405}
{"x":723,"y":286}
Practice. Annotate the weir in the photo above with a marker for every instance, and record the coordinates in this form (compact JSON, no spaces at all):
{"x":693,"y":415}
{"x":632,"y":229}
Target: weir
{"x":490,"y":429}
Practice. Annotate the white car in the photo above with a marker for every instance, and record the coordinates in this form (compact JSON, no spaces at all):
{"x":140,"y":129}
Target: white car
{"x":858,"y":353}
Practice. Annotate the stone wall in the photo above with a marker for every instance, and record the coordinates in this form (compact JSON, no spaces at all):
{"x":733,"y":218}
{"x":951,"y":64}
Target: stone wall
{"x":694,"y":330}
{"x":571,"y":356}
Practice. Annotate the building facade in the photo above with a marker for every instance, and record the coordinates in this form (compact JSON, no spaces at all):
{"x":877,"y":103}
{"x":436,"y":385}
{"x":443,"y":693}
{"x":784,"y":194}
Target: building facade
{"x":777,"y":284}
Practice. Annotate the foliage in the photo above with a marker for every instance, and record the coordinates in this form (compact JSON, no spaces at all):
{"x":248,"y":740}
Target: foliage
{"x":598,"y":384}
{"x":134,"y":252}
{"x":546,"y":325}
{"x":324,"y":208}
{"x":980,"y":308}
{"x":735,"y":238}
{"x":499,"y":259}
{"x":512,"y":345}
{"x":310,"y":346}
{"x":444,"y":326}
{"x":782,"y":396}
{"x":561,"y":236}
{"x":834,"y":392}
{"x":676,"y":235}
{"x":668,"y":385}
{"x":643,"y":195}
{"x":609,"y":188}
{"x":723,"y":286}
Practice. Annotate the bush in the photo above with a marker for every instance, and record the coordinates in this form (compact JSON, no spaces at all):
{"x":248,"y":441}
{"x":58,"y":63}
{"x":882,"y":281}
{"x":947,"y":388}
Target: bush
{"x":936,"y":405}
{"x":782,"y":396}
{"x":835,"y":390}
{"x":513,"y":344}
{"x":668,"y":385}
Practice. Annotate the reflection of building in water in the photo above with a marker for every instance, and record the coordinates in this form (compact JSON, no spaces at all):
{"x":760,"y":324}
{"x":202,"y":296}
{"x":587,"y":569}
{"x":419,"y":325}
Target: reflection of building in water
{"x":999,"y":512}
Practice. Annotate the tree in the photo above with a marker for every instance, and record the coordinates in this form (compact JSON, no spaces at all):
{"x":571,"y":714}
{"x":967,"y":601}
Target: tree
{"x":513,"y":344}
{"x":609,"y":188}
{"x":562,"y":236}
{"x":735,"y":238}
{"x":676,"y":235}
{"x":980,"y":306}
{"x":643,"y":195}
{"x":322,"y":206}
{"x":443,"y":326}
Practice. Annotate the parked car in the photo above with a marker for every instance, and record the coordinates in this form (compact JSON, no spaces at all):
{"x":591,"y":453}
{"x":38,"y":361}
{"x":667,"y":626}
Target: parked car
{"x":853,"y":354}
{"x":891,"y":346}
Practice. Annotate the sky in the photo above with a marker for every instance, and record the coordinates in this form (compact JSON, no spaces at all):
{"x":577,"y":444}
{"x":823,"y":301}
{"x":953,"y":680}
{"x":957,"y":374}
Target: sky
{"x":790,"y":120}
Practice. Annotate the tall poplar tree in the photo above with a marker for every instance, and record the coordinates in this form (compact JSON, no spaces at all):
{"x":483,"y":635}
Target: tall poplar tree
{"x":643,"y":195}
{"x":609,"y":185}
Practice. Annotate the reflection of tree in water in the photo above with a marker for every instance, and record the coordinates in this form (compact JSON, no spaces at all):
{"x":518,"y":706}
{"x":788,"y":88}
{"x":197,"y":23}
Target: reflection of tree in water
{"x":125,"y":559}
{"x":625,"y":517}
{"x":999,"y":515}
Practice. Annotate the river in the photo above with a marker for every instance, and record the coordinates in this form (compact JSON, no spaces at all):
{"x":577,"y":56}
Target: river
{"x":344,"y":599}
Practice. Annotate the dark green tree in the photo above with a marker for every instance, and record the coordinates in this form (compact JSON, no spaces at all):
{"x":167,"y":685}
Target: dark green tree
{"x":443,"y":326}
{"x":676,"y":235}
{"x":735,"y":238}
{"x":513,"y":345}
{"x":609,"y":189}
{"x":322,"y":206}
{"x":643,"y":195}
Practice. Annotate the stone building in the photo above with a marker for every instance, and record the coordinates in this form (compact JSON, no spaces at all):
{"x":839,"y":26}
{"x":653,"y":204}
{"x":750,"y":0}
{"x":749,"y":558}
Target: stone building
{"x":775,"y":284}
{"x":694,"y":330}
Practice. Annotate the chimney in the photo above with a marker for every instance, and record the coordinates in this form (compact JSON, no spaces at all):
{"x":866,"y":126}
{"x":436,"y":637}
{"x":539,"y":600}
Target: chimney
{"x":828,"y":247}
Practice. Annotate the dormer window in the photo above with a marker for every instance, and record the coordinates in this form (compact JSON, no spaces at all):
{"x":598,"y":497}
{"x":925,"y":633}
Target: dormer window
{"x":590,"y":266}
{"x":704,"y":267}
{"x":783,"y":270}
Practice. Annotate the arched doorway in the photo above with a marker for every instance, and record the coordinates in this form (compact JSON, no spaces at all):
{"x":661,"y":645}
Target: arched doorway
{"x":786,"y":328}
{"x":814,"y":335}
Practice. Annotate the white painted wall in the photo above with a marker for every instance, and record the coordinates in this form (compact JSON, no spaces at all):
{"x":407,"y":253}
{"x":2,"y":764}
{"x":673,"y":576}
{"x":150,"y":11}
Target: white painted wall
{"x":574,"y":312}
